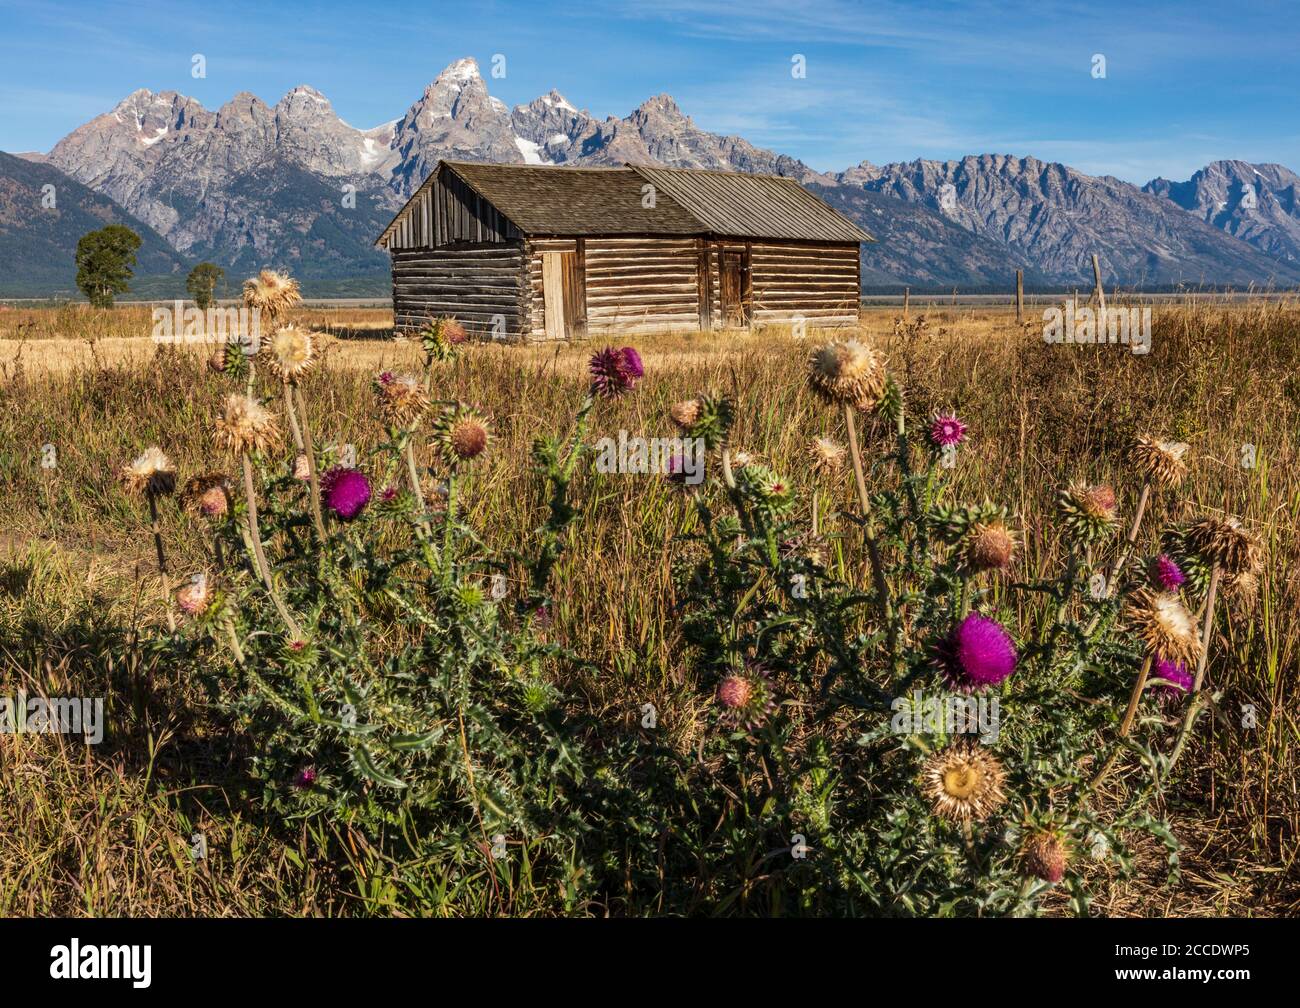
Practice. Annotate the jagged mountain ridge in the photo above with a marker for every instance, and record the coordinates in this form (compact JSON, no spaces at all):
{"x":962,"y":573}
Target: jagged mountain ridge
{"x":1057,"y":217}
{"x":252,"y":184}
{"x":1258,"y":203}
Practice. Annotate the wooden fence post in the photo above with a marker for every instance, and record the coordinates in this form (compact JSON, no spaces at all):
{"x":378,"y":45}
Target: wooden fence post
{"x":1020,"y":297}
{"x":1101,"y":291}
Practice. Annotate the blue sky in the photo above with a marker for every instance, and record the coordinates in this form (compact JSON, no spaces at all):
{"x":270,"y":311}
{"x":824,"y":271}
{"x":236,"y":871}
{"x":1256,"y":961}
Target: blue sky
{"x":1186,"y":83}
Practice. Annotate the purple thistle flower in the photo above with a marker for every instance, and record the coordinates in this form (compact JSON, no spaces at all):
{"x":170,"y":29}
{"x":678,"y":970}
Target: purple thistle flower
{"x":946,"y":429}
{"x":1166,"y":574}
{"x":614,"y":372}
{"x":978,"y":653}
{"x":305,"y":778}
{"x":1175,"y":673}
{"x":346,"y":491}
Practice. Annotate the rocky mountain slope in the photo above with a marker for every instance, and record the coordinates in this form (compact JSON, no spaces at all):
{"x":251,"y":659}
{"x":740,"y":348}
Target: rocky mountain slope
{"x":38,"y":243}
{"x":294,"y":185}
{"x":246,"y":185}
{"x":1057,"y":217}
{"x":1258,"y":203}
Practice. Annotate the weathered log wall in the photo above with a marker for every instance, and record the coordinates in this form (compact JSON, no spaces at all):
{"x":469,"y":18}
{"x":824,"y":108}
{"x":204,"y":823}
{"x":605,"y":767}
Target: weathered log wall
{"x":632,"y":284}
{"x":819,"y":283}
{"x":482,"y":287}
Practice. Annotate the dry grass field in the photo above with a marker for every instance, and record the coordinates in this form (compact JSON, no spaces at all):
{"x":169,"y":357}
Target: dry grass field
{"x":106,"y":831}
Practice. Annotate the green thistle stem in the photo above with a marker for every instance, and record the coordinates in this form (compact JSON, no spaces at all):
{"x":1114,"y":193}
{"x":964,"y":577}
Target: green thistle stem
{"x":313,"y":478}
{"x":292,"y":414}
{"x":156,"y":528}
{"x":869,"y":535}
{"x":1194,"y":708}
{"x":1138,"y":686}
{"x":259,"y":554}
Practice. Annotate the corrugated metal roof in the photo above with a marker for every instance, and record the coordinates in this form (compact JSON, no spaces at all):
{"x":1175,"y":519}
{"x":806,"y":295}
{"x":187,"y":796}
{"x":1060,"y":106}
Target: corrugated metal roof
{"x":737,"y":205}
{"x":552,"y":200}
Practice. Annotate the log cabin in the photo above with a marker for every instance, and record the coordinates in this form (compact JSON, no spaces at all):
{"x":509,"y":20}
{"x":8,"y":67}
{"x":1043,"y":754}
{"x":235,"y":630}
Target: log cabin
{"x":527,"y":252}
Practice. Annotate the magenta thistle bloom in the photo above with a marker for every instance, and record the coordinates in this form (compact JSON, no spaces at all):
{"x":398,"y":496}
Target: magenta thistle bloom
{"x":978,"y":653}
{"x":346,"y":491}
{"x":1175,"y":673}
{"x":614,"y":372}
{"x":305,"y":778}
{"x":946,"y":429}
{"x":1166,"y":574}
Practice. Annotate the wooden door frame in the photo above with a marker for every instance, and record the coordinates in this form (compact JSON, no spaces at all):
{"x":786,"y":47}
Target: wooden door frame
{"x":568,"y":280}
{"x":745,"y":284}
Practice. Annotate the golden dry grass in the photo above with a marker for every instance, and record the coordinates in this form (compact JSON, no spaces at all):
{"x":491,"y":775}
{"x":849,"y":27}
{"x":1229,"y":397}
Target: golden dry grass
{"x":104,"y":833}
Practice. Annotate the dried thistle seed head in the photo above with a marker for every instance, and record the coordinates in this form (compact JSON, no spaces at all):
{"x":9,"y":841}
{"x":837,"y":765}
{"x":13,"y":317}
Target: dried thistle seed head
{"x":848,"y":373}
{"x":289,"y":353}
{"x":402,"y":398}
{"x":685,"y":413}
{"x":1164,"y":625}
{"x":462,"y":434}
{"x":1046,"y":857}
{"x":206,"y":494}
{"x":827,"y":455}
{"x":742,"y":459}
{"x":151,"y":473}
{"x":1225,"y":542}
{"x":272,"y":293}
{"x":245,"y":425}
{"x":989,"y":546}
{"x":1089,"y":512}
{"x":302,"y":467}
{"x":817,"y":550}
{"x":1160,"y":462}
{"x":194,"y":597}
{"x":452,"y":331}
{"x":963,"y":782}
{"x":1242,"y":591}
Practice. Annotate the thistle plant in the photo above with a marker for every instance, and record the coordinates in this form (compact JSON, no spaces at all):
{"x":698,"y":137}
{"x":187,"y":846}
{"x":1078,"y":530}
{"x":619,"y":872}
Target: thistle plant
{"x":271,"y":295}
{"x":397,"y":701}
{"x":808,"y":666}
{"x":152,"y":475}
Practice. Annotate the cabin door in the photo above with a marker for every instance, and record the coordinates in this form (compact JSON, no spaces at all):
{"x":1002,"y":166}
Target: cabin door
{"x":733,"y":274}
{"x":563,"y":295}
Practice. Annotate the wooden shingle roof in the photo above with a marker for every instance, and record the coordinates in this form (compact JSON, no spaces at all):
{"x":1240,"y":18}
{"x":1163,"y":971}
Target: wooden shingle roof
{"x":549,"y":200}
{"x":587,"y":201}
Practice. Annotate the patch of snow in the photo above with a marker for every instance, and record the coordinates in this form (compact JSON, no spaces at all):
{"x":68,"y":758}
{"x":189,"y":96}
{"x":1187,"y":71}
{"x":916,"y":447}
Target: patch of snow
{"x":150,"y":141}
{"x":462,"y":70}
{"x":557,"y":138}
{"x":498,"y":104}
{"x":561,"y":104}
{"x":532,"y":152}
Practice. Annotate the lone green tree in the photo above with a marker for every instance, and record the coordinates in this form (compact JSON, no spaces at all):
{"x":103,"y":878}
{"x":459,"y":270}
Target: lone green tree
{"x":202,"y":284}
{"x":104,"y":262}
